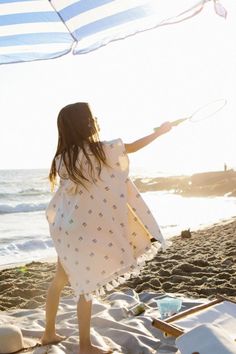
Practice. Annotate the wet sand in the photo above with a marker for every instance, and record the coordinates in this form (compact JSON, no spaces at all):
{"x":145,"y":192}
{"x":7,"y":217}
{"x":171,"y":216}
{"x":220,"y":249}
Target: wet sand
{"x":202,"y":266}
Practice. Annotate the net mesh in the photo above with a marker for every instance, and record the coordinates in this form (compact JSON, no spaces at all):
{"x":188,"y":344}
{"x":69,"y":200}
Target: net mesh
{"x":208,"y":110}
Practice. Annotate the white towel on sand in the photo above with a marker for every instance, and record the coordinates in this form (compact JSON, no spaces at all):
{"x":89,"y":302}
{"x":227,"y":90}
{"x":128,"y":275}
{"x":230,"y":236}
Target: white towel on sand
{"x":111,"y":323}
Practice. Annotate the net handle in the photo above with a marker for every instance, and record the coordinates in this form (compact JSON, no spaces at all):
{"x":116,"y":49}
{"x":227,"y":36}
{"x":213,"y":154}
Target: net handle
{"x":176,"y":122}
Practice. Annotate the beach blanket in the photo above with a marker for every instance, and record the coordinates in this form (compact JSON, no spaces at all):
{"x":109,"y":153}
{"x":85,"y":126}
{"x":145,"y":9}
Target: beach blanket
{"x":112,"y":322}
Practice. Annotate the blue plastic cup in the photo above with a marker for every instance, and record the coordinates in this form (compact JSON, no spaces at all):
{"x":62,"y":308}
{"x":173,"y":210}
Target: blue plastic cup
{"x":168,"y":306}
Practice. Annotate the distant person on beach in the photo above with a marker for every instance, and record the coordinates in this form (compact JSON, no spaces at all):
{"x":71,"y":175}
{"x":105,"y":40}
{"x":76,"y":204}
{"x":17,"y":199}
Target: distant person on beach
{"x":99,"y":223}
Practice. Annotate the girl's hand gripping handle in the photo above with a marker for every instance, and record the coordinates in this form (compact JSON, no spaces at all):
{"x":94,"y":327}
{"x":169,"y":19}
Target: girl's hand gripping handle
{"x":164,"y":128}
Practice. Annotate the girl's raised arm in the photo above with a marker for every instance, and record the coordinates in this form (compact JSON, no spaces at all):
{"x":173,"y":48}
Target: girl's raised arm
{"x":141,"y":143}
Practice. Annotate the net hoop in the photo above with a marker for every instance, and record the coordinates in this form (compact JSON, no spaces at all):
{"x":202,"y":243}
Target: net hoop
{"x":213,"y":108}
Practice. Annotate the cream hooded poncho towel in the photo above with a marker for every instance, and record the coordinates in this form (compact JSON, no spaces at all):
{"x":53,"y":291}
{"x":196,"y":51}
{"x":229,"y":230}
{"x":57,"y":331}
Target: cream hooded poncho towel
{"x":102,"y":232}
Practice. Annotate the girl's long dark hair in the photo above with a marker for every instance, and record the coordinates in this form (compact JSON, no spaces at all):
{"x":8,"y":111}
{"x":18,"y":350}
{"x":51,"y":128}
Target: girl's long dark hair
{"x":77,"y":130}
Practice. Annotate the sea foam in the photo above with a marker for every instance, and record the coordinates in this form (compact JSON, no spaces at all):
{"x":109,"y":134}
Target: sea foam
{"x":25,"y":246}
{"x":22,"y":208}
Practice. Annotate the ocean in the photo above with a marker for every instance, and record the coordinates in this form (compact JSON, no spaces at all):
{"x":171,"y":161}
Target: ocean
{"x":24,"y":234}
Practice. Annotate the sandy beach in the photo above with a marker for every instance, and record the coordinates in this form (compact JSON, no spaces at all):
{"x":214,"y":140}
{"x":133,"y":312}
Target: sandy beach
{"x":202,"y":266}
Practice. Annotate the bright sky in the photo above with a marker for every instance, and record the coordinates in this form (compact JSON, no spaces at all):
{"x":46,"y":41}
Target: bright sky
{"x":132,"y":85}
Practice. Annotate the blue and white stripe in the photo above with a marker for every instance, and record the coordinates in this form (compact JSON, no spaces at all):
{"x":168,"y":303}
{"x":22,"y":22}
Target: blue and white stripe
{"x":94,"y":23}
{"x":43,"y":29}
{"x":31,"y":30}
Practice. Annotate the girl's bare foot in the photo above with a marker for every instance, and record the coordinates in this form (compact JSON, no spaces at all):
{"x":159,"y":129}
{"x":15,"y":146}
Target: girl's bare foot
{"x":91,"y":349}
{"x":51,"y":339}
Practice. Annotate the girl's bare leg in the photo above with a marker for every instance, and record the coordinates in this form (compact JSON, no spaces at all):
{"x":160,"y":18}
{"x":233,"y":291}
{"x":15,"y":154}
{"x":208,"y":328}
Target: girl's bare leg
{"x":52,"y":302}
{"x":84,"y":318}
{"x":83,"y":311}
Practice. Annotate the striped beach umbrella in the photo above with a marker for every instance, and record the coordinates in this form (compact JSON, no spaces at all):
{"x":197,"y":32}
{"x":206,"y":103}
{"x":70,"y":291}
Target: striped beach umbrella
{"x":42,"y":29}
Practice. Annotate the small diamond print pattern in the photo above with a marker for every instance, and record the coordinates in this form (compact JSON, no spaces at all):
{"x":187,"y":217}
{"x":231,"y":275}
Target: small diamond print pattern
{"x":99,"y":233}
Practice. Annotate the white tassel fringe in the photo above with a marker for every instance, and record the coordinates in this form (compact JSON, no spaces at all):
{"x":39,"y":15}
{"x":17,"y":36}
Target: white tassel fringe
{"x":134,"y":271}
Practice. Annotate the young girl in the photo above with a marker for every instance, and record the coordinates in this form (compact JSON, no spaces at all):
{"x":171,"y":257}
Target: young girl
{"x":99,"y":223}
